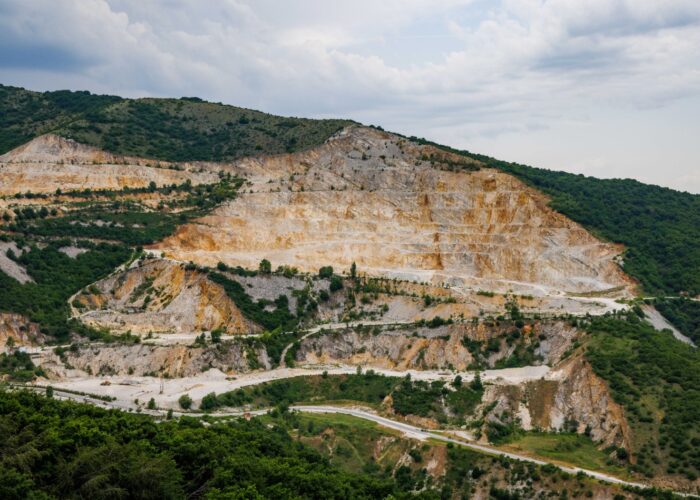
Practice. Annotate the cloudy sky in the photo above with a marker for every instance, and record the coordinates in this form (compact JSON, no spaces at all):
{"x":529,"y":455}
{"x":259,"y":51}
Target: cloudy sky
{"x":609,"y":88}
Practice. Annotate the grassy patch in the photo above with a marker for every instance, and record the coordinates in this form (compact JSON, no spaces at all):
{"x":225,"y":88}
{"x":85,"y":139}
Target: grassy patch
{"x":569,"y":448}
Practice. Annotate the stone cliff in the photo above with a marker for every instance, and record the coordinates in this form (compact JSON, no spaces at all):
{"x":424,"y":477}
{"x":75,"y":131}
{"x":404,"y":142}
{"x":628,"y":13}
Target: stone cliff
{"x":161,"y":296}
{"x":50,"y":162}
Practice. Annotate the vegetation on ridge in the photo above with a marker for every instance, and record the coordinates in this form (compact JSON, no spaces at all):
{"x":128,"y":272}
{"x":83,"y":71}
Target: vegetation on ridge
{"x":660,"y":227}
{"x":183,"y":129}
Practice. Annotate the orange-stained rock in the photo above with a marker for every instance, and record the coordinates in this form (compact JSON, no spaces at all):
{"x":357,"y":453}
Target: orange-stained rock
{"x":50,"y":162}
{"x":163,"y":296}
{"x":370,"y":197}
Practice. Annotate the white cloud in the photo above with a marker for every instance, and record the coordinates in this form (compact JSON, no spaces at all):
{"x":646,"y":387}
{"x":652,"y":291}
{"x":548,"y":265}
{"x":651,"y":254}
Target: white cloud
{"x":494,"y":76}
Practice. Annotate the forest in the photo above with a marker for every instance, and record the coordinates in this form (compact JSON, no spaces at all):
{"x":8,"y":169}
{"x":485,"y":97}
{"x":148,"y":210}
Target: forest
{"x":53,"y":449}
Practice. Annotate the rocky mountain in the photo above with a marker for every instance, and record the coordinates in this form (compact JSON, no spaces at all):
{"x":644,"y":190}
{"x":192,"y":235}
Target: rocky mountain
{"x":400,"y":210}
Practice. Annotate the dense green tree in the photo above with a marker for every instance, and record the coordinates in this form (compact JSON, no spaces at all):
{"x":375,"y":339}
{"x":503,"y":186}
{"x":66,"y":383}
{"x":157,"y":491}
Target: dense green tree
{"x":57,"y":449}
{"x":185,"y":402}
{"x":336,"y":284}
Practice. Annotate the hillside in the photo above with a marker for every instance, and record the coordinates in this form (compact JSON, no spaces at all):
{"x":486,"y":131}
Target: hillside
{"x":461,"y":307}
{"x":176,"y":130}
{"x":400,"y":211}
{"x":658,"y":226}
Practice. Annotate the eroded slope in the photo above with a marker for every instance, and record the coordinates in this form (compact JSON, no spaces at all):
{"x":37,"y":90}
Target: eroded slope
{"x":398,"y":209}
{"x":50,"y":162}
{"x":161,"y":296}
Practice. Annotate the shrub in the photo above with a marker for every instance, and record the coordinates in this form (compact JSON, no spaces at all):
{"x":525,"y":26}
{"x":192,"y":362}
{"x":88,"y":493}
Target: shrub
{"x":336,"y":284}
{"x":265,"y":266}
{"x":185,"y":402}
{"x":209,"y":402}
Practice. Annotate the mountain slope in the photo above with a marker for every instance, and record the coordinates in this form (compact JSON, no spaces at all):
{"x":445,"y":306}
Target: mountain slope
{"x":659,"y":227}
{"x":397,"y":210}
{"x":444,"y":241}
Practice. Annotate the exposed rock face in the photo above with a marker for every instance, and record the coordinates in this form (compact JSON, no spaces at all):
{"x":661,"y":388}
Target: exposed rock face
{"x":373,"y":198}
{"x":50,"y":162}
{"x":571,"y":398}
{"x":162,"y":296}
{"x":168,"y":361}
{"x":23,"y":332}
{"x":9,"y":266}
{"x":437,"y":348}
{"x":584,"y":397}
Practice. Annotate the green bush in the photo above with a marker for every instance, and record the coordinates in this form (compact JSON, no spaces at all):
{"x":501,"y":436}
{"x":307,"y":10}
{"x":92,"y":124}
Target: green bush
{"x":185,"y":402}
{"x":325,"y":272}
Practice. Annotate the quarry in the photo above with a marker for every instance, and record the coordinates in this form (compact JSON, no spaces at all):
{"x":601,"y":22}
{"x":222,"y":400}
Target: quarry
{"x":441,"y":270}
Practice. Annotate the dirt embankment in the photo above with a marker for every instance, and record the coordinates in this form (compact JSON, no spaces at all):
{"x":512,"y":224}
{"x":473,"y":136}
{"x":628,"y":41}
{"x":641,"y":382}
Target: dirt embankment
{"x":459,"y":346}
{"x":570,"y":398}
{"x":17,"y":327}
{"x":151,"y":360}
